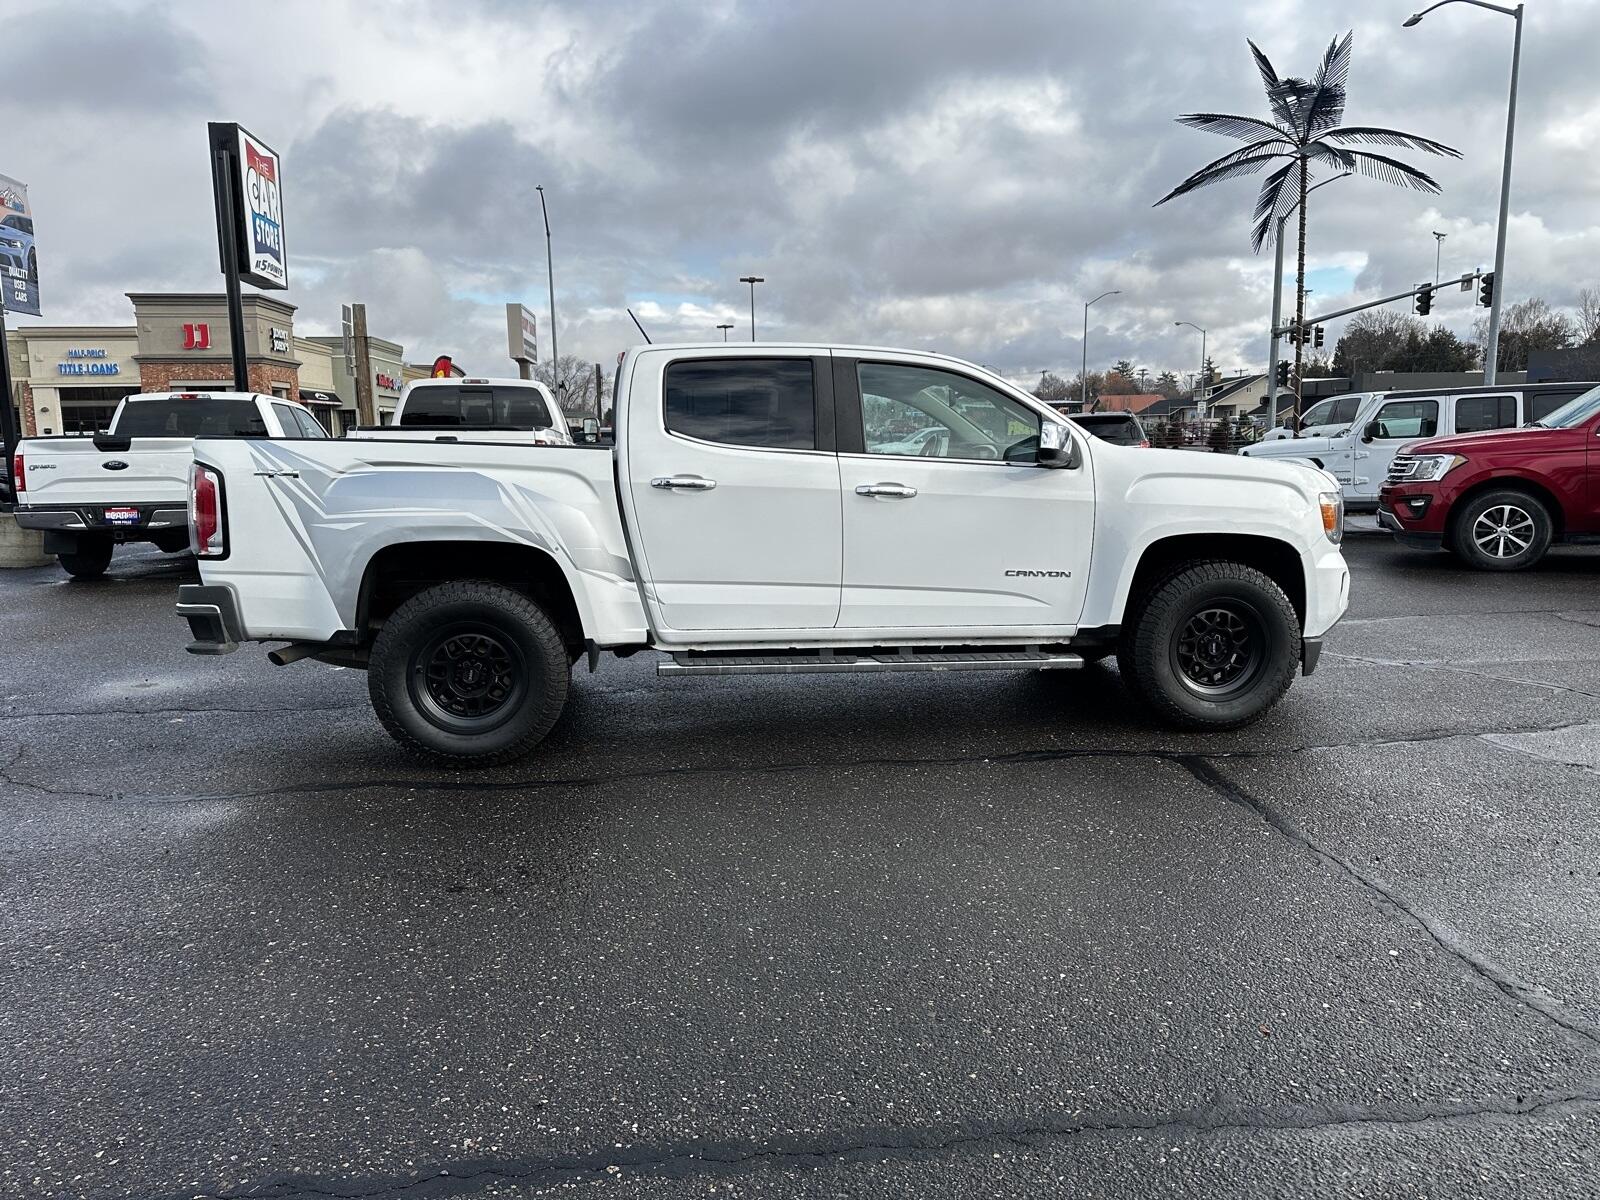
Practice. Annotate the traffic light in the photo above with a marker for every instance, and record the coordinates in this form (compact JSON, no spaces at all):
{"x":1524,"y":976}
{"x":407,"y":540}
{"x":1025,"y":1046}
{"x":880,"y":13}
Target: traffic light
{"x":1283,"y":374}
{"x":1486,"y":290}
{"x":1424,"y":300}
{"x":1317,"y":338}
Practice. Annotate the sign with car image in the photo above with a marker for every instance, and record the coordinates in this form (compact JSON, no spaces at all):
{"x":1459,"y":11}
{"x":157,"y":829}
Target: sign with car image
{"x":19,"y":263}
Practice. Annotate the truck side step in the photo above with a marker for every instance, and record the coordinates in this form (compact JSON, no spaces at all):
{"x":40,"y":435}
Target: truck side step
{"x":1030,"y":658}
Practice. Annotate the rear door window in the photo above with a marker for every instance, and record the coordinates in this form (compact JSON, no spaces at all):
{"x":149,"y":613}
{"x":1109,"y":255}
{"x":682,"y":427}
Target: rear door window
{"x":763,"y":402}
{"x":309,"y":426}
{"x":1474,"y":414}
{"x":1408,"y":419}
{"x":476,"y":407}
{"x":198,"y":417}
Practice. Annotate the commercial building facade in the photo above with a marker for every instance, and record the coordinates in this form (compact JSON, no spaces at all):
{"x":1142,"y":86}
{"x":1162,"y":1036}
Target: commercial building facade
{"x":68,"y":379}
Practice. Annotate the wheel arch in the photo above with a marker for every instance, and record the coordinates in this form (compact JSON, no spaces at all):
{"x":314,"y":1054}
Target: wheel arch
{"x":1278,"y":560}
{"x":401,"y":570}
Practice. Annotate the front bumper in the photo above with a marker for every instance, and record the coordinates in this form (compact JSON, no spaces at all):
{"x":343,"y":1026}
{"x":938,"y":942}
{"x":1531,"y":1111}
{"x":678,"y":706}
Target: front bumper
{"x":91,"y":518}
{"x":212,"y":611}
{"x":1415,"y":513}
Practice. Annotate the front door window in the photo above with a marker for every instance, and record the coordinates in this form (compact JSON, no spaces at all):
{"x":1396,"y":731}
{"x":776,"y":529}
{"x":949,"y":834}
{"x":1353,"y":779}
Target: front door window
{"x":928,"y":413}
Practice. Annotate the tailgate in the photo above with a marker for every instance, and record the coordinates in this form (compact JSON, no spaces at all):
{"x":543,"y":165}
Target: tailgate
{"x":73,"y":471}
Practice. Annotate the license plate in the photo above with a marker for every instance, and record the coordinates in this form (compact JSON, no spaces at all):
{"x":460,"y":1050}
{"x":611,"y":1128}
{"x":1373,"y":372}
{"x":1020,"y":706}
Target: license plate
{"x":122,"y":516}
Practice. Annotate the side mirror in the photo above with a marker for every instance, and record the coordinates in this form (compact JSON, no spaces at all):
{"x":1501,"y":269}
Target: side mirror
{"x":1056,"y":447}
{"x":591,"y":429}
{"x":1371,"y":430}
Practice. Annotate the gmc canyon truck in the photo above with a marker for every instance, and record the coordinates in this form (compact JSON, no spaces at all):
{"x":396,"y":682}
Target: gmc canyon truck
{"x":749,"y":520}
{"x":130,"y":483}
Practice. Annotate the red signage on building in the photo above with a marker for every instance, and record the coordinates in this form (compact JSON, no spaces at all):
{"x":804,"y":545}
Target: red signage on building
{"x":197,"y":337}
{"x":388,"y":382}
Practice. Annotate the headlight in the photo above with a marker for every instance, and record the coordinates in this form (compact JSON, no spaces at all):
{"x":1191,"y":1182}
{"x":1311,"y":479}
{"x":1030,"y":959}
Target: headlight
{"x":1430,"y":468}
{"x":1332,"y":504}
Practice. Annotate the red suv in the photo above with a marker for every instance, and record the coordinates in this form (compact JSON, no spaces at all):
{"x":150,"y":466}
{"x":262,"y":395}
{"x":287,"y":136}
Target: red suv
{"x":1497,"y":500}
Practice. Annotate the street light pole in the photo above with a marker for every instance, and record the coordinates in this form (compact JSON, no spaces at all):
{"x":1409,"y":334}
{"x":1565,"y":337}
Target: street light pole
{"x":1438,"y":249}
{"x":1492,"y":350}
{"x":1083,"y":372}
{"x":550,"y":267}
{"x":1200,"y":379}
{"x":752,"y":280}
{"x":725,"y":327}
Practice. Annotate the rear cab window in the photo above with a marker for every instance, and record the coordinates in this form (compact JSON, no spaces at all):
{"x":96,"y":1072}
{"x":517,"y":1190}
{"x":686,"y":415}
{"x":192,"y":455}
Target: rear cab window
{"x":476,"y":407}
{"x":197,"y":416}
{"x":769,"y":403}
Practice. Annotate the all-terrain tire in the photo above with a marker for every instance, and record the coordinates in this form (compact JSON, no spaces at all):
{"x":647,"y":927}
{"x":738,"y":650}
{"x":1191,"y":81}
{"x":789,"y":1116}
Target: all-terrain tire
{"x":89,"y":560}
{"x":1503,"y":530}
{"x":1213,"y":644}
{"x":469,"y":672}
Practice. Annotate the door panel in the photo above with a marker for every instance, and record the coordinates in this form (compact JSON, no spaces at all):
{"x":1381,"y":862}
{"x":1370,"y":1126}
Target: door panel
{"x":954,"y":535}
{"x":1399,"y":421}
{"x":742,"y":533}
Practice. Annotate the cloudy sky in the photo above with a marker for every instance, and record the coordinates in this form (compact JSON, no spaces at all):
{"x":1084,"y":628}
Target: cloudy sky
{"x":955,"y":176}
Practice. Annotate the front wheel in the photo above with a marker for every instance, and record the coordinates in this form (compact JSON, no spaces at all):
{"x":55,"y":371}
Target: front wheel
{"x":469,"y":672}
{"x":89,"y":559}
{"x":1502,"y":531}
{"x":1213,"y":645}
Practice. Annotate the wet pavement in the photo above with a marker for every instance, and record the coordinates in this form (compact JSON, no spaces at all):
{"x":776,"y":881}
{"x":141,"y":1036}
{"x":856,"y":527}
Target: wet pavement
{"x":931,"y":936}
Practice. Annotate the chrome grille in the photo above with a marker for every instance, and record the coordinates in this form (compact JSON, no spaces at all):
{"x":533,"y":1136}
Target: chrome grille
{"x":1403,"y":468}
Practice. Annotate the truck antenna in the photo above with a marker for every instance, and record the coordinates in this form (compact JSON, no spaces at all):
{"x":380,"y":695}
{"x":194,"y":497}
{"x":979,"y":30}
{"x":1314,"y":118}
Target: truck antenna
{"x":640,"y":328}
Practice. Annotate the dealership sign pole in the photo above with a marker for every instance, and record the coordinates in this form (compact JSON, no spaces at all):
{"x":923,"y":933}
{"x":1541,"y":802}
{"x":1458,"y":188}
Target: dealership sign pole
{"x":247,"y":186}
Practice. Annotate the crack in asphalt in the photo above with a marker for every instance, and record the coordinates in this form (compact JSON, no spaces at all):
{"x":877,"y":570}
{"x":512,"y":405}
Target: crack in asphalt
{"x":1392,"y":901}
{"x":883,"y":1144}
{"x":287,"y":710}
{"x":1433,"y":664}
{"x":473,"y":783}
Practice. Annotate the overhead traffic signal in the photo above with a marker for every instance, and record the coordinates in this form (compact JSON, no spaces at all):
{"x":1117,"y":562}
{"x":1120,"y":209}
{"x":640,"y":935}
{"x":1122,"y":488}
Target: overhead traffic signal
{"x":1486,"y":290}
{"x":1283,"y":374}
{"x":1317,"y":337}
{"x":1424,"y":299}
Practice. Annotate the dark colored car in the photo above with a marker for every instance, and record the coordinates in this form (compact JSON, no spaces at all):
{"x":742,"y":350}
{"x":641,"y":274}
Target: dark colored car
{"x":1498,"y":499}
{"x":1119,"y":428}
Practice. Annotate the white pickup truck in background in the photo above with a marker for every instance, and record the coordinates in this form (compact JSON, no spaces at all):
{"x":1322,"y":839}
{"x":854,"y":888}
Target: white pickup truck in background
{"x":496,"y":410}
{"x":131,"y":482}
{"x":760,"y":514}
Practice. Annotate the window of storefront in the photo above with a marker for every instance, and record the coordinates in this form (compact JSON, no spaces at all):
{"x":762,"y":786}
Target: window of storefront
{"x":87,"y":409}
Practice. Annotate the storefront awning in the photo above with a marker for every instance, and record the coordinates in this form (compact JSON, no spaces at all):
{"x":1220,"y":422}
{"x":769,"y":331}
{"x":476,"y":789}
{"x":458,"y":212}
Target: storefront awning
{"x":320,"y":399}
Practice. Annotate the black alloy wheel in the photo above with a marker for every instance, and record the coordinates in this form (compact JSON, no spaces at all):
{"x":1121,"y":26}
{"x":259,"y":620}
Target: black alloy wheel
{"x":1217,"y":650}
{"x":468,"y":678}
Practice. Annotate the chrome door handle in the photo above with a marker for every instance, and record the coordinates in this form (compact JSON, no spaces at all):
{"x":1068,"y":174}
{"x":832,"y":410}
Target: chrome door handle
{"x":278,"y":474}
{"x":687,"y":483}
{"x":897,"y":490}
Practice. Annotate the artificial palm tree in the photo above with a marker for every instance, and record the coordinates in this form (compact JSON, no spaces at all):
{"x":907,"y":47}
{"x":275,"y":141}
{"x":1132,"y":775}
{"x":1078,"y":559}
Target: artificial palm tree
{"x":1305,"y":130}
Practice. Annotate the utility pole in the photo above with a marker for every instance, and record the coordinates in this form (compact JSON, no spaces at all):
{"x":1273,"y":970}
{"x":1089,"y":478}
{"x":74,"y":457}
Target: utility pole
{"x":550,"y":268}
{"x":366,"y":413}
{"x":752,"y":280}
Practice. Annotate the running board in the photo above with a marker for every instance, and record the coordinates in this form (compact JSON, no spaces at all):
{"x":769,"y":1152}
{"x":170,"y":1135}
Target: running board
{"x":828,"y":661}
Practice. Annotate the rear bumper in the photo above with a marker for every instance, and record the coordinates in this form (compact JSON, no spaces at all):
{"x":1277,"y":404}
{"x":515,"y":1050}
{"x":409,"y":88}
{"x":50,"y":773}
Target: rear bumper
{"x":212,"y":611}
{"x":91,"y":518}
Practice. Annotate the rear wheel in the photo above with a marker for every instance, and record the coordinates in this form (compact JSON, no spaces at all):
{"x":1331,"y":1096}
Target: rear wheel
{"x":1507,"y":530}
{"x":1213,"y":645}
{"x":469,"y":672}
{"x":89,"y":559}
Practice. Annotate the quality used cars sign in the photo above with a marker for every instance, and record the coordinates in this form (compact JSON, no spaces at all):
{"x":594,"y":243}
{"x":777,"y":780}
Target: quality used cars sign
{"x":19,"y":264}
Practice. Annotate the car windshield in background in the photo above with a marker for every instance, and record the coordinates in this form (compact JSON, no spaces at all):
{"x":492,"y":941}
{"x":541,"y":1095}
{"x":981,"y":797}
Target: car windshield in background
{"x":1573,"y":412}
{"x":198,"y":417}
{"x":1120,"y":428}
{"x":476,"y":407}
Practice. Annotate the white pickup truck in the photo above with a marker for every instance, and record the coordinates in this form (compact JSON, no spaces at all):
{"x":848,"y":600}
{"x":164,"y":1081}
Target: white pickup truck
{"x":131,"y":482}
{"x":758,"y":515}
{"x":493,"y":410}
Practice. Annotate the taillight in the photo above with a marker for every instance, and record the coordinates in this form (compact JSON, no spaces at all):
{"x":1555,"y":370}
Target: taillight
{"x":1145,"y":443}
{"x":206,"y":536}
{"x":19,"y":476}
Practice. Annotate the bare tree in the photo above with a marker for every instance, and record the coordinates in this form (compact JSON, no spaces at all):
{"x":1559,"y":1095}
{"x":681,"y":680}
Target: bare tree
{"x":572,"y":381}
{"x":1525,"y":327}
{"x":1053,"y":389}
{"x":1589,"y":316}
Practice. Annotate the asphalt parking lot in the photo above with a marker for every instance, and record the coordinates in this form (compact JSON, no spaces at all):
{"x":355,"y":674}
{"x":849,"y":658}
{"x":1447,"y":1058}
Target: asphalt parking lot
{"x":929,"y":936}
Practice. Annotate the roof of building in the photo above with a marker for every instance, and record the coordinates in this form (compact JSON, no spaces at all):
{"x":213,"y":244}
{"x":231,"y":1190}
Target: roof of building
{"x":1136,"y":402}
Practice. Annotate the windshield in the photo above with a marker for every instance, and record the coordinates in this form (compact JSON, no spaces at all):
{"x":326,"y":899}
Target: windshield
{"x":1573,"y":412}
